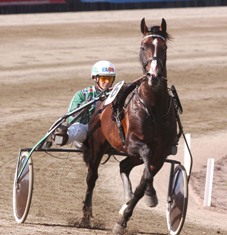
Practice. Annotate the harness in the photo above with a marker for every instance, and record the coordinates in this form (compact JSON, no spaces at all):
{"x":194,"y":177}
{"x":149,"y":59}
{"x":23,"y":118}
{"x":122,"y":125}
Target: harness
{"x":149,"y":110}
{"x":144,"y":62}
{"x":174,"y":102}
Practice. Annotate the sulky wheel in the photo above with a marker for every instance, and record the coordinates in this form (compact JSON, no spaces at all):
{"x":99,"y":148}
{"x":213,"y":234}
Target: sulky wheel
{"x":22,"y":188}
{"x":177,"y":201}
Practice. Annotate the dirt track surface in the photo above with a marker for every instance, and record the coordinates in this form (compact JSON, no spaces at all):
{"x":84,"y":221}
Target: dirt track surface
{"x":46,"y":58}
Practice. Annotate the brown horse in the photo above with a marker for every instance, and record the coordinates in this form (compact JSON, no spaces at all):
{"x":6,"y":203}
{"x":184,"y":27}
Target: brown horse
{"x":149,"y":127}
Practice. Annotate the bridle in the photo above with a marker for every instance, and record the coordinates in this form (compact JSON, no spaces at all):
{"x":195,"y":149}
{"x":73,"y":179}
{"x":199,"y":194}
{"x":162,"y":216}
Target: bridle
{"x":144,"y":61}
{"x":147,"y":77}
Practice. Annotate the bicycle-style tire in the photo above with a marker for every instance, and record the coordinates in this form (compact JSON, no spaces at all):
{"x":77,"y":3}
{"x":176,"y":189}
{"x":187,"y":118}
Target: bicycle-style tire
{"x":22,"y":189}
{"x":177,"y":201}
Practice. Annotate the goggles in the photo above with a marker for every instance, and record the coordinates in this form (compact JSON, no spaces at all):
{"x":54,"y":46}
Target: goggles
{"x":109,"y":79}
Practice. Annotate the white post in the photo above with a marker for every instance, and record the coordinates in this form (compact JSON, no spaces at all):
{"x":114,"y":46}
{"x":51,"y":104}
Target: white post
{"x":209,"y":182}
{"x":187,"y":158}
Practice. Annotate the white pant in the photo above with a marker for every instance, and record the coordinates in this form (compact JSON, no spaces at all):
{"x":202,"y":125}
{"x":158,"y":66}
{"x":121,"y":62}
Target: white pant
{"x":77,"y":134}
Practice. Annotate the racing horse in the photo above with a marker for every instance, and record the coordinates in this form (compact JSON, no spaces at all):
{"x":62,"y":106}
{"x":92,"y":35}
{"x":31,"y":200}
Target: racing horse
{"x":149,"y":127}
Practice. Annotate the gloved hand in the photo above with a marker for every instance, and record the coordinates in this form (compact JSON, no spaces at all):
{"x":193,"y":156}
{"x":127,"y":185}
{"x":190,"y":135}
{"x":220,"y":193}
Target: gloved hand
{"x":60,"y":135}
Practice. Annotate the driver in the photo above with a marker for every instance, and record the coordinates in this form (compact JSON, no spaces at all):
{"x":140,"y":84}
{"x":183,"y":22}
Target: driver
{"x":103,"y":74}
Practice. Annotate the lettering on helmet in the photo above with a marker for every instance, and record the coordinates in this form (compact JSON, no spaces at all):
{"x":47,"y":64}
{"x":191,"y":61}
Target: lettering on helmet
{"x":108,"y":69}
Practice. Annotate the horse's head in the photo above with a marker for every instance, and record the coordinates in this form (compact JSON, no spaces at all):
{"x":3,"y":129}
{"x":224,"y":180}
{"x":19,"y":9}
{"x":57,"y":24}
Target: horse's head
{"x":153,"y":51}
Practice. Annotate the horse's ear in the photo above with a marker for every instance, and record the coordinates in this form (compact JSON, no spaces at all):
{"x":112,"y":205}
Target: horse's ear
{"x":163,"y":26}
{"x":143,"y":27}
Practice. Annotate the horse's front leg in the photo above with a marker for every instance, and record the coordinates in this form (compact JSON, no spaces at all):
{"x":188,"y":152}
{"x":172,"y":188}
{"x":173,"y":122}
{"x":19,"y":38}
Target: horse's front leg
{"x":146,"y":178}
{"x":126,"y":166}
{"x":120,"y":226}
{"x":150,"y":196}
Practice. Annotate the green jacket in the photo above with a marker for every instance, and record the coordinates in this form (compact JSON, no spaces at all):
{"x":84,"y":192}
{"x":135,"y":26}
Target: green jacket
{"x":82,"y":97}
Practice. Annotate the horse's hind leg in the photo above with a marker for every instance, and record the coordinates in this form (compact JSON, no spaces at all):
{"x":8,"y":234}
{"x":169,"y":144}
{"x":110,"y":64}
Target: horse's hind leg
{"x":91,"y":178}
{"x":87,"y":208}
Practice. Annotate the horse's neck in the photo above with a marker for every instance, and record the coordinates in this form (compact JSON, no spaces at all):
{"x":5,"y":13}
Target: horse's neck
{"x":155,"y":97}
{"x":164,"y":72}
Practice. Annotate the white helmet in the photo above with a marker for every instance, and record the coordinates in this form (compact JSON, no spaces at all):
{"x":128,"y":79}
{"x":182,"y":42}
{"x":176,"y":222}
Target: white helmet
{"x":103,"y":68}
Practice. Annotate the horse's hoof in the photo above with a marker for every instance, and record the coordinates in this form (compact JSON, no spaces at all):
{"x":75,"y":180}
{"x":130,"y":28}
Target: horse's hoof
{"x":119,"y":229}
{"x":151,"y":200}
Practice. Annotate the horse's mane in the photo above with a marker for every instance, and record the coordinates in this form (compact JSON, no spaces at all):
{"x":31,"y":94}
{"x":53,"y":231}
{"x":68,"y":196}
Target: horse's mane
{"x":156,"y":30}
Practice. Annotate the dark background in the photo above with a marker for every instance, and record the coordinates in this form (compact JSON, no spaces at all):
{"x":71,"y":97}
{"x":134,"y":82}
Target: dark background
{"x":38,"y":6}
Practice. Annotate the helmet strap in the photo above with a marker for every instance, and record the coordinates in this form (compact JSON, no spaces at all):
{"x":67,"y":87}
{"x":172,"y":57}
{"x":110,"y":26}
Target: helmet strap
{"x":96,"y":78}
{"x":98,"y":87}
